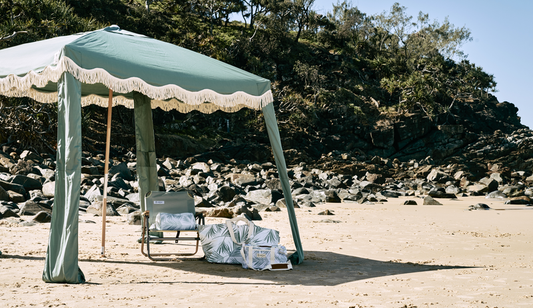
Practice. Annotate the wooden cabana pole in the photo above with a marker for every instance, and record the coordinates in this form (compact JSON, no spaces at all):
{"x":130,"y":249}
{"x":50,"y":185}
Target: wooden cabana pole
{"x":106,"y":168}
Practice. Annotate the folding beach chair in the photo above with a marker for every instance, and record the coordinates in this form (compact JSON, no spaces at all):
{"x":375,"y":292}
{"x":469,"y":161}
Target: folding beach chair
{"x":169,"y":204}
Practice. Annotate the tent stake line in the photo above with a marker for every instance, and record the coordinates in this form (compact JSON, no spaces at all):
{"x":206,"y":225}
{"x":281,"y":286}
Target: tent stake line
{"x":106,"y":168}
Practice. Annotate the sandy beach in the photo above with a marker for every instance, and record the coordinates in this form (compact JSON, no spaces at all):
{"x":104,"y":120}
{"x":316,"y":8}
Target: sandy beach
{"x":381,"y":255}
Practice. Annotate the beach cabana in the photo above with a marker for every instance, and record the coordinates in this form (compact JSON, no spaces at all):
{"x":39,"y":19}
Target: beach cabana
{"x":111,"y":67}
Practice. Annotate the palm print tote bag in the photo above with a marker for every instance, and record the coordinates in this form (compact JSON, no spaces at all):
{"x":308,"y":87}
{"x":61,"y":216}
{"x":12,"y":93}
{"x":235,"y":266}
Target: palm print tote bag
{"x":222,"y":243}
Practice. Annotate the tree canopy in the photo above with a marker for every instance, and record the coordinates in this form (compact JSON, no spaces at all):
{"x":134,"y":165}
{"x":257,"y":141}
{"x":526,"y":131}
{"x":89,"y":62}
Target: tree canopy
{"x":336,"y":66}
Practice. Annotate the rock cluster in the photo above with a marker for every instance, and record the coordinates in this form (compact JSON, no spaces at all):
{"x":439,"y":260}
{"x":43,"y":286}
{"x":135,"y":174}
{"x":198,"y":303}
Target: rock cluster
{"x":495,"y":166}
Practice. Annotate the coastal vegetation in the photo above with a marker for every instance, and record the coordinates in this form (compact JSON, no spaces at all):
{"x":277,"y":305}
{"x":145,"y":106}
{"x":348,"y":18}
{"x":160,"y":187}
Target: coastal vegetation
{"x":344,"y":73}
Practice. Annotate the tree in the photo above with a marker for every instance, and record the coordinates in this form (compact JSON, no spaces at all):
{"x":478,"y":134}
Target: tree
{"x":420,"y":38}
{"x":352,"y":26}
{"x":442,"y":37}
{"x":39,"y":20}
{"x":256,"y":8}
{"x":302,"y":10}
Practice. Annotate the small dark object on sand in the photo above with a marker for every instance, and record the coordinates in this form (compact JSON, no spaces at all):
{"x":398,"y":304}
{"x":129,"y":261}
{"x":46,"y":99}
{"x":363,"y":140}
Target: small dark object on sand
{"x":479,"y":206}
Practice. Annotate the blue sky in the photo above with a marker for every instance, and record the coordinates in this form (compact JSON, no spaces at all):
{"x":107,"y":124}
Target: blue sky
{"x":502,"y":44}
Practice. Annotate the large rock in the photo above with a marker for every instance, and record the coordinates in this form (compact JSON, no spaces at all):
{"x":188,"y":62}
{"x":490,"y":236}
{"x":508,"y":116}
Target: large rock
{"x":251,"y":213}
{"x":202,"y":167}
{"x":23,"y":167}
{"x":318,"y":196}
{"x":374,"y":178}
{"x":16,"y":197}
{"x":239,"y":201}
{"x":201,"y":202}
{"x":391,"y":194}
{"x":452,"y":189}
{"x":226,"y":193}
{"x":49,"y":189}
{"x":276,"y":195}
{"x":126,"y":209}
{"x":29,"y":155}
{"x":496,"y":195}
{"x":93,"y":193}
{"x":185,"y":181}
{"x":477,"y":189}
{"x":27,"y":182}
{"x":6,"y":212}
{"x":479,"y":206}
{"x":436,"y":175}
{"x":42,"y":217}
{"x":92,"y":170}
{"x":84,"y":204}
{"x":134,"y":197}
{"x":4,"y":195}
{"x":351,"y":196}
{"x":513,"y":190}
{"x":300,"y":191}
{"x":134,"y":218}
{"x":169,"y":163}
{"x":497,"y":176}
{"x":440,"y":193}
{"x":281,"y":203}
{"x":114,"y":201}
{"x":123,"y":171}
{"x":14,"y":187}
{"x":273,"y":184}
{"x":96,"y":209}
{"x":261,"y":196}
{"x":373,"y":187}
{"x":6,"y":161}
{"x":221,"y":212}
{"x":31,"y":207}
{"x":119,"y":183}
{"x":430,"y":201}
{"x":491,"y":183}
{"x":243,"y":179}
{"x":520,"y":200}
{"x":162,"y":171}
{"x":332,"y":197}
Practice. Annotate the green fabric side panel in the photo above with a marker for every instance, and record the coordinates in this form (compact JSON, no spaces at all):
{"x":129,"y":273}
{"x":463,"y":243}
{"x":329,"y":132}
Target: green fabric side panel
{"x":144,"y":135}
{"x":61,"y":264}
{"x":275,"y":142}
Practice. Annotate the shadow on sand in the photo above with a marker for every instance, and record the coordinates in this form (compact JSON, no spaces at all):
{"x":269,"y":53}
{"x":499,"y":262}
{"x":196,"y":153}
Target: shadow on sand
{"x":320,"y":268}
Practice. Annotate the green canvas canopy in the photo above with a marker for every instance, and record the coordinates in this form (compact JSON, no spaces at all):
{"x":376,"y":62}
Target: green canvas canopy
{"x":143,"y":73}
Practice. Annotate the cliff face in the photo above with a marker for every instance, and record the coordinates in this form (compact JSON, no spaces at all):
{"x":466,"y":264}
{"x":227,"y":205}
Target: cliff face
{"x":408,"y":136}
{"x":475,"y":130}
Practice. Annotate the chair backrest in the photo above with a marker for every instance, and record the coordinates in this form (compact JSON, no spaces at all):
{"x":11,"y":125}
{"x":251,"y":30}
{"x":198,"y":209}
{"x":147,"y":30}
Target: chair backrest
{"x":168,"y":202}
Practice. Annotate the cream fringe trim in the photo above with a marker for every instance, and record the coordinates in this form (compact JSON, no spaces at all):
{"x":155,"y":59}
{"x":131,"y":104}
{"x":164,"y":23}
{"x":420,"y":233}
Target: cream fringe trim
{"x":166,"y":97}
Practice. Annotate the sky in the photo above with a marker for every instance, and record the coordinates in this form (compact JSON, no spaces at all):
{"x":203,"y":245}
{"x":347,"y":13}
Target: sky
{"x":502,"y":44}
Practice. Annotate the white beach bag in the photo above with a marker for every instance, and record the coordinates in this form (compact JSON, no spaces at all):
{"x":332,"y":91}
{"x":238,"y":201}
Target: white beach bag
{"x":222,"y":243}
{"x":262,"y":258}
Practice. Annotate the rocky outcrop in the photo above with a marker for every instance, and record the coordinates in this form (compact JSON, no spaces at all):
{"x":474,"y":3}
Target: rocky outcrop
{"x":499,"y":165}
